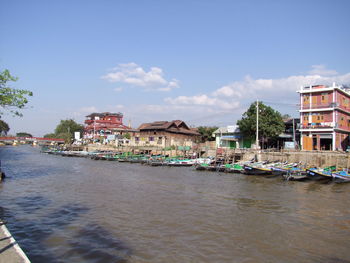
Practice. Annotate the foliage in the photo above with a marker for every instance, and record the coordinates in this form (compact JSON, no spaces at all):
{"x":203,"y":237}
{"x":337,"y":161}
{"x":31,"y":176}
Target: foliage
{"x":50,"y":135}
{"x":12,"y":99}
{"x":69,"y":126}
{"x":127,"y":136}
{"x":270,"y":122}
{"x":67,"y":136}
{"x":4,"y":127}
{"x":23,"y":134}
{"x":286,"y":116}
{"x":206,"y":133}
{"x":65,"y":130}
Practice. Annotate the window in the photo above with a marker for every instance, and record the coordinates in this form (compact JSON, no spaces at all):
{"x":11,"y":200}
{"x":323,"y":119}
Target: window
{"x":151,"y":138}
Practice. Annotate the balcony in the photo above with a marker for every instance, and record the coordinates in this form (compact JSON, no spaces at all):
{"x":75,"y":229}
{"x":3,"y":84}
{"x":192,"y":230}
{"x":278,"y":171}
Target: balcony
{"x":308,"y":106}
{"x":89,"y":121}
{"x":320,"y":125}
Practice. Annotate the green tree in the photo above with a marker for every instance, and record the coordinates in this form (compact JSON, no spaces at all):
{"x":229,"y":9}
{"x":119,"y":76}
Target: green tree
{"x":12,"y":99}
{"x":50,"y":135}
{"x":4,"y":127}
{"x":270,"y":122}
{"x":23,"y":134}
{"x":66,"y":129}
{"x":206,"y":133}
{"x":127,"y":136}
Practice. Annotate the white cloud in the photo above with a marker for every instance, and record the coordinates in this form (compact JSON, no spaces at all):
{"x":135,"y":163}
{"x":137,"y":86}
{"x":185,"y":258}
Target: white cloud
{"x":322,"y":71}
{"x":225,"y":105}
{"x":134,"y":75}
{"x":279,"y":93}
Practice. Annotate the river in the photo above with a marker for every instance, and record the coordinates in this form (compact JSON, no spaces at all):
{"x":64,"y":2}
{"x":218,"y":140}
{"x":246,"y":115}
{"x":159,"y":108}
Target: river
{"x":63,"y":209}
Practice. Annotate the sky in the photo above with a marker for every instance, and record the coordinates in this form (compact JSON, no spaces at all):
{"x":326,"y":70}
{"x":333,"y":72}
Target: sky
{"x":203,"y":62}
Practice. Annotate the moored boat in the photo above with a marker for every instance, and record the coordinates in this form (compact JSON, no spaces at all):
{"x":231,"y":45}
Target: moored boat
{"x":341,"y":177}
{"x":319,"y":174}
{"x":256,"y":170}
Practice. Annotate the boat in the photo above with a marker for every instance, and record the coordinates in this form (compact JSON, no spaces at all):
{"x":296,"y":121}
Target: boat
{"x":316,"y":174}
{"x":202,"y":167}
{"x":256,"y":169}
{"x":341,"y":177}
{"x":234,"y":168}
{"x":296,"y":176}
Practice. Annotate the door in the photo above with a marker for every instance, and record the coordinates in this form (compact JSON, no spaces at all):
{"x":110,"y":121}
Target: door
{"x":307,"y":143}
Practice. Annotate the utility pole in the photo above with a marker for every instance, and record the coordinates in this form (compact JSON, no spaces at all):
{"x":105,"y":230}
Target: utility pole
{"x":294,"y":134}
{"x":257,"y":125}
{"x":93,"y":138}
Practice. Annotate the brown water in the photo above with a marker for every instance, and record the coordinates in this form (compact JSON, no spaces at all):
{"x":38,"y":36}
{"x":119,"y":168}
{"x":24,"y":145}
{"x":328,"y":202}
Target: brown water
{"x":64,"y":209}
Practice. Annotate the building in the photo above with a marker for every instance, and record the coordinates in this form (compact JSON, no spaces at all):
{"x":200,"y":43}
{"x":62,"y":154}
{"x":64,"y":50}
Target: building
{"x":165,"y":134}
{"x":325,"y":117}
{"x":231,"y":138}
{"x":106,"y":125}
{"x":290,"y":138}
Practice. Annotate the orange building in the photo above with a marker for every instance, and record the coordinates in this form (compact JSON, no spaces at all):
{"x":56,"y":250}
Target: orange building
{"x":324,"y":117}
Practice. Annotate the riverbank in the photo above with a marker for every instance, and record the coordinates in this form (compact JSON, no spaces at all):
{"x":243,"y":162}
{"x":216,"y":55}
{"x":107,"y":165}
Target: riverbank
{"x":10,"y":251}
{"x":311,"y":158}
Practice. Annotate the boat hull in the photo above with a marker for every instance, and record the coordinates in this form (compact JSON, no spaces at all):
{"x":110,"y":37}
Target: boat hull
{"x":318,"y":176}
{"x":249,"y":170}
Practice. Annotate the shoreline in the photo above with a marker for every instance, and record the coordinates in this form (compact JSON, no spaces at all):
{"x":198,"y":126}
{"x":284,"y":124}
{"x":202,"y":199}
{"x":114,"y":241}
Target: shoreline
{"x":10,"y":251}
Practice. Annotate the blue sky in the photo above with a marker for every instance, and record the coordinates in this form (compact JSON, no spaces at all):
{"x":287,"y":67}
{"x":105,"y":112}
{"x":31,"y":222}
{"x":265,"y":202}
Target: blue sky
{"x":203,"y":62}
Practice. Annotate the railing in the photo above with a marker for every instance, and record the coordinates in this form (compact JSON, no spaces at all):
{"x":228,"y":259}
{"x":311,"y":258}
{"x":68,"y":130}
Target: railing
{"x":319,"y":125}
{"x":308,"y":106}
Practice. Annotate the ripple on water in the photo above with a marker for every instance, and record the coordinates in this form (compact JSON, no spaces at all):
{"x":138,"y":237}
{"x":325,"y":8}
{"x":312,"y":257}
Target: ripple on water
{"x":79,"y":210}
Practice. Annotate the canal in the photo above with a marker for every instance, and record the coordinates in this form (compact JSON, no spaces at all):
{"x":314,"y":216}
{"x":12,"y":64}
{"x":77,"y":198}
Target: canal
{"x":63,"y":209}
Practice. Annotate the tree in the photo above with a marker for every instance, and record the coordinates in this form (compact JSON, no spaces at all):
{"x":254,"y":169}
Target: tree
{"x":50,"y":135}
{"x":270,"y":122}
{"x":206,"y":133}
{"x":12,"y":99}
{"x":127,"y":136}
{"x":23,"y":134}
{"x":69,"y":126}
{"x":286,"y":116}
{"x":65,"y":130}
{"x":4,"y":127}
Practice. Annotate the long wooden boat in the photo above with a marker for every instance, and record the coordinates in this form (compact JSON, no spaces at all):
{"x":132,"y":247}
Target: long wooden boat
{"x":234,"y":168}
{"x":319,"y":175}
{"x":341,"y":177}
{"x":296,"y":176}
{"x":252,"y":170}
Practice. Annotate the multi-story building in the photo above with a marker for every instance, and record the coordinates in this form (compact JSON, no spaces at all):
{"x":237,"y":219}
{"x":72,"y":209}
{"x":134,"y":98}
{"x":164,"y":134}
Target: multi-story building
{"x":104,"y":124}
{"x":325,"y":117}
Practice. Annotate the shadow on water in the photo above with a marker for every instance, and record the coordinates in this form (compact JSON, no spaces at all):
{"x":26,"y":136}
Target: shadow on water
{"x":91,"y":242}
{"x":96,"y":244}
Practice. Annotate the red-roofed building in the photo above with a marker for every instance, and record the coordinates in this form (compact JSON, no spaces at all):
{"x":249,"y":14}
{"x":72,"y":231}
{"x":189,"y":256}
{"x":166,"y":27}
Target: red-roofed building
{"x":104,"y":124}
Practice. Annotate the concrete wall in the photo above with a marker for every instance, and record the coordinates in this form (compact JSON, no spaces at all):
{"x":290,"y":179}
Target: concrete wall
{"x":318,"y":159}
